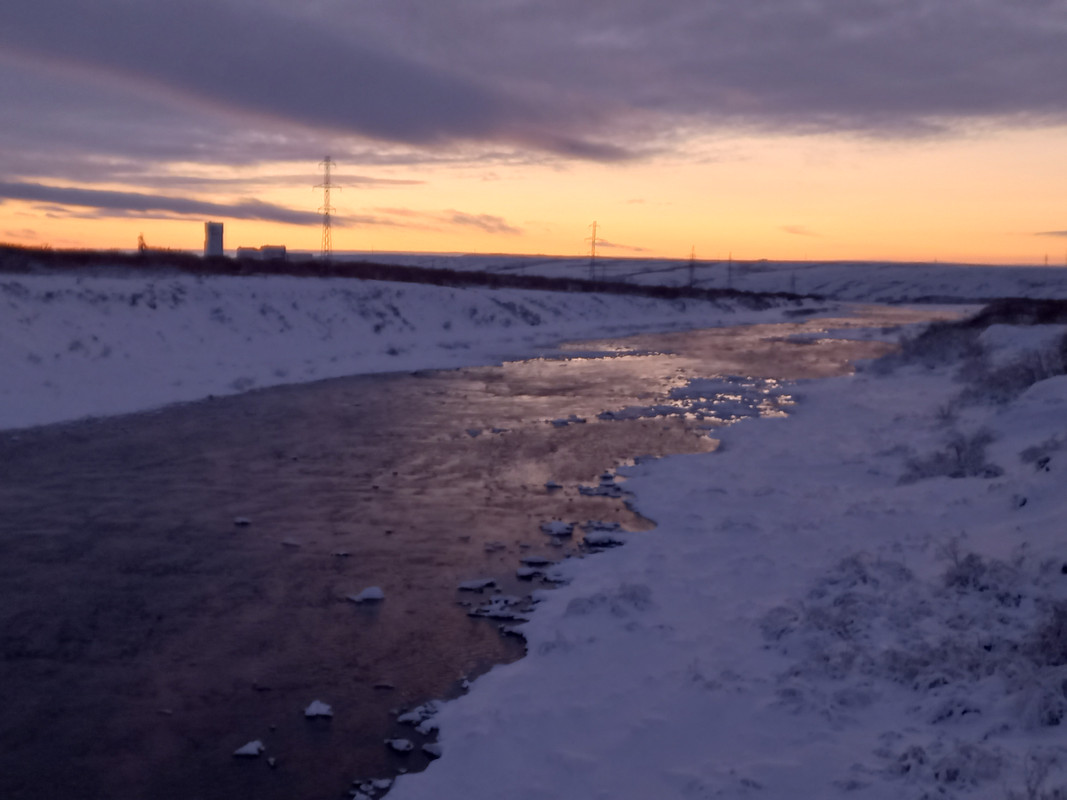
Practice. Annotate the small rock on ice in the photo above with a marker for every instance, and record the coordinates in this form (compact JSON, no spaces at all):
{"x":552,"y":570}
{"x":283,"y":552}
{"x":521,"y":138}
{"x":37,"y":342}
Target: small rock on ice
{"x":552,"y":486}
{"x":250,"y":750}
{"x":371,"y":594}
{"x":242,"y":522}
{"x":400,"y":745}
{"x":318,"y":709}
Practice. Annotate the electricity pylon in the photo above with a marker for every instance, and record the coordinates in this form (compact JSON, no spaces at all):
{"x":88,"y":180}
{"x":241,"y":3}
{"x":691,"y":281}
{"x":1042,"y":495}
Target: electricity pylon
{"x":592,"y":252}
{"x":326,"y":210}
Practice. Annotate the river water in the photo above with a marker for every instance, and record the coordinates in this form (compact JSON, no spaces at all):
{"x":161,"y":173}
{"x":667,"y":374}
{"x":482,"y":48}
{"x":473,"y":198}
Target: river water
{"x":145,"y":636}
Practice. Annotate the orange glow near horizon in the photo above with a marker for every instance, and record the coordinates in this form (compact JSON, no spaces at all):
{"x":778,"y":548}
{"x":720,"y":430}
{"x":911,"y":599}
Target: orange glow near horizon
{"x":980,"y":199}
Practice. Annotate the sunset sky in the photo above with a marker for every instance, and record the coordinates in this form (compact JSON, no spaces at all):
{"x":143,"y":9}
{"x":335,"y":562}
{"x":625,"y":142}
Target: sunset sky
{"x":781,"y":129}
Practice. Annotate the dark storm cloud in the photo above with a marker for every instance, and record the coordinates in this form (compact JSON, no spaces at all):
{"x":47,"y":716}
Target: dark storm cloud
{"x":121,"y":203}
{"x":895,"y":67}
{"x":242,"y":57}
{"x":601,"y":79}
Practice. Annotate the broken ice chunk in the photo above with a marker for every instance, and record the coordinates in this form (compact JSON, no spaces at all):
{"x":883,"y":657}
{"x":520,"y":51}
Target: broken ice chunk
{"x":603,"y":539}
{"x":250,"y":750}
{"x":371,"y":594}
{"x":420,"y":713}
{"x":537,"y":561}
{"x":318,"y":709}
{"x":573,"y":419}
{"x":400,"y":745}
{"x":501,"y":607}
{"x":478,"y":585}
{"x":557,"y":528}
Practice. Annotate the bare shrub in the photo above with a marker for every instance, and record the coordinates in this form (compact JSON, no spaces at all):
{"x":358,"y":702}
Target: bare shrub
{"x":963,"y":456}
{"x":1002,"y":384}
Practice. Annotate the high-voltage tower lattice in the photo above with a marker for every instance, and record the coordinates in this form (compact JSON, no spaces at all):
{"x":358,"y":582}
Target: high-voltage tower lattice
{"x":327,"y":209}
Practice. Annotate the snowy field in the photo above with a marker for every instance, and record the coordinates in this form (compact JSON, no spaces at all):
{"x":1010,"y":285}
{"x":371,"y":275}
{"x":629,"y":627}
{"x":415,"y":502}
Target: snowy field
{"x":874,"y":282}
{"x":89,"y":346}
{"x":866,"y":598}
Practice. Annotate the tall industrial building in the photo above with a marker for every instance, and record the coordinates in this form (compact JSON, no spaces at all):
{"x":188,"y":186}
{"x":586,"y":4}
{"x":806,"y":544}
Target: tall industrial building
{"x":212,"y":239}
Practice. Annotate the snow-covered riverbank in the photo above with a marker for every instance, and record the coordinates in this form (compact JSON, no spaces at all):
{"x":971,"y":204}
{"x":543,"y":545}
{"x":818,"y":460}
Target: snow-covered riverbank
{"x":867,"y":598}
{"x":86,"y":346}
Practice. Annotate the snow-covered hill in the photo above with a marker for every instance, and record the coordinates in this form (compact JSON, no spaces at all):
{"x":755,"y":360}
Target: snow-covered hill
{"x":861,"y":281}
{"x":72,"y":346}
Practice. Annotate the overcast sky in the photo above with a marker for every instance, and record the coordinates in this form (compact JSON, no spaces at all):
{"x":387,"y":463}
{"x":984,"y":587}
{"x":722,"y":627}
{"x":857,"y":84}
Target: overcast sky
{"x":92,"y":90}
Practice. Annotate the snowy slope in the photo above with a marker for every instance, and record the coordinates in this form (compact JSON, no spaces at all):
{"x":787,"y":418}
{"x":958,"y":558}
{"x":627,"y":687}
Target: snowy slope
{"x":821,"y":613}
{"x":76,"y":346}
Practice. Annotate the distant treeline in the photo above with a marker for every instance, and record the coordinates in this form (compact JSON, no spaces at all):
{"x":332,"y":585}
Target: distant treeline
{"x":27,"y":259}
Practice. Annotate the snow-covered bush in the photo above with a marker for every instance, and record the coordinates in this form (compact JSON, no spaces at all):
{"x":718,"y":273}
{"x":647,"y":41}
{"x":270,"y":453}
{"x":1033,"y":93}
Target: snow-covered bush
{"x":980,"y":648}
{"x":963,"y":456}
{"x":963,"y":344}
{"x":1001,"y":384}
{"x":1049,"y":645}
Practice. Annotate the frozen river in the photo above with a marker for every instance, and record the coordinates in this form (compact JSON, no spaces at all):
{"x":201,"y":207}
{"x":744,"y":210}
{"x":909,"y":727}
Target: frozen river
{"x":146,"y":636}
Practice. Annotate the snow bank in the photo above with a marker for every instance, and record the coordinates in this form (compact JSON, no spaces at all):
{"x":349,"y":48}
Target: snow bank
{"x":92,"y":345}
{"x":803,"y":622}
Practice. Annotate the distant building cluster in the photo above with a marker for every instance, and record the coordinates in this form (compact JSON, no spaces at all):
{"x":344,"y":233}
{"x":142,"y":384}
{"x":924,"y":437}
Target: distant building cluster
{"x":268,"y":252}
{"x":213,"y":246}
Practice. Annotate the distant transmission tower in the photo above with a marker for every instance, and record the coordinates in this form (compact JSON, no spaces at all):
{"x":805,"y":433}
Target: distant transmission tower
{"x":692,"y":266}
{"x":327,"y":209}
{"x":592,"y":253}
